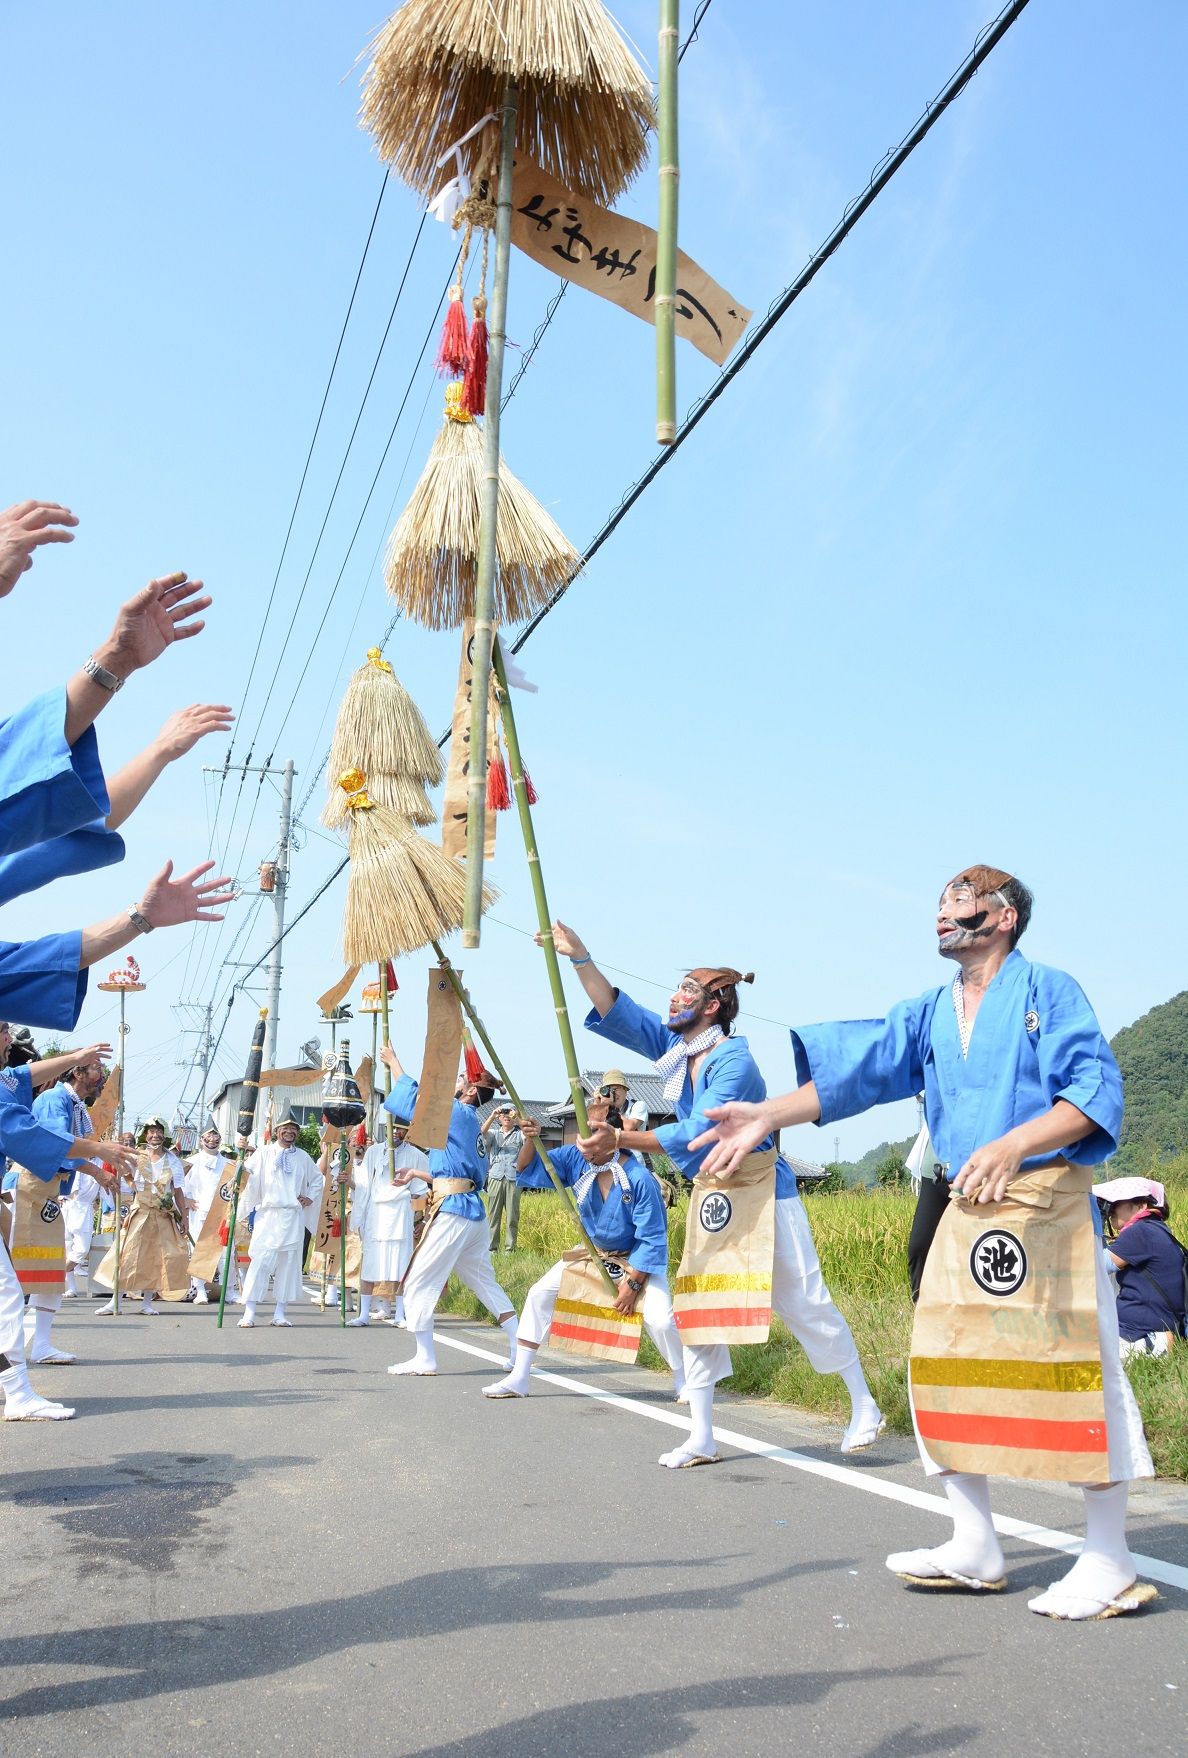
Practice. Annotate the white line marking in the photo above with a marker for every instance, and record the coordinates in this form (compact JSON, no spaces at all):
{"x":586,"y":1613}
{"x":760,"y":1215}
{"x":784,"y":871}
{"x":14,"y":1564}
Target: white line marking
{"x":1047,"y":1537}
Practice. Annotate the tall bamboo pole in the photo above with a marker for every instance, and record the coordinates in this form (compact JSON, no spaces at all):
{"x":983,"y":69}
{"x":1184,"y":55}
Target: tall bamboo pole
{"x":543,"y":918}
{"x":563,"y":1190}
{"x":389,"y":1123}
{"x":485,"y":564}
{"x":115,"y":1281}
{"x":666,"y":230}
{"x":344,"y":1160}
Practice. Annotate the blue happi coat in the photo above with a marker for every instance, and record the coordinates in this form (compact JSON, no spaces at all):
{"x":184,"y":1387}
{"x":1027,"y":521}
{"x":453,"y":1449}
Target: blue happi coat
{"x":1034,"y":1040}
{"x":40,"y":1147}
{"x":633,"y":1223}
{"x":59,"y":1109}
{"x":462,"y":1156}
{"x":728,"y":1072}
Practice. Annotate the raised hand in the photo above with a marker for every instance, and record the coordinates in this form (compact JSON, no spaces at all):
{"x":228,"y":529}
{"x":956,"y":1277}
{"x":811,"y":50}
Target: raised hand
{"x":119,"y":1158}
{"x":182,"y":730}
{"x":152,"y":621}
{"x":166,"y":901}
{"x":568,"y":943}
{"x":739,"y":1127}
{"x":22,"y":529}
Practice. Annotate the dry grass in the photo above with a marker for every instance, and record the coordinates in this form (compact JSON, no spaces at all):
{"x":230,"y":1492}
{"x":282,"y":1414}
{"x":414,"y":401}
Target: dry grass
{"x":402,"y":892}
{"x":431,"y":564}
{"x":438,"y":66}
{"x":380,"y":730}
{"x":400,"y":794}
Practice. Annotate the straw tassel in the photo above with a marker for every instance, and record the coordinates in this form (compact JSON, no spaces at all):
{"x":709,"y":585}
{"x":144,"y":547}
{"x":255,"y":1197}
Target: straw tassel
{"x":431,"y":565}
{"x":452,"y":349}
{"x":474,"y":385}
{"x":398,"y":793}
{"x":381,"y":729}
{"x":402,"y":892}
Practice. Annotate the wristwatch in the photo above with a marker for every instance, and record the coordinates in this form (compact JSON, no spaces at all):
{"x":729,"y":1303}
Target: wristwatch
{"x":107,"y":680}
{"x":140,"y":922}
{"x":635,"y":1287}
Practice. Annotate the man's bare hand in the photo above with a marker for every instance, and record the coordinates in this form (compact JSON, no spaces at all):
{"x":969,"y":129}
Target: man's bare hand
{"x":599,"y":1146}
{"x":986,"y":1174}
{"x":121,"y":1159}
{"x":22,"y":529}
{"x":166,"y":901}
{"x":626,"y":1300}
{"x":568,"y":943}
{"x":738,"y":1129}
{"x":182,"y":730}
{"x":152,"y":621}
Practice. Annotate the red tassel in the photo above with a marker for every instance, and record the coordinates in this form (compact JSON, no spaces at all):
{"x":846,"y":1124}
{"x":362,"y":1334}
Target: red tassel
{"x":529,"y":790}
{"x":498,"y":792}
{"x":336,"y":1229}
{"x":224,"y":1232}
{"x":452,"y":349}
{"x":359,"y":1139}
{"x":474,"y":385}
{"x":393,"y":985}
{"x":474,"y":1063}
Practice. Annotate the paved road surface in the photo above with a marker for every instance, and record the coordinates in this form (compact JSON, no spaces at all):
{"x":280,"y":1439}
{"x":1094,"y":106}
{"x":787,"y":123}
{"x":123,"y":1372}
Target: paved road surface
{"x":260,"y":1544}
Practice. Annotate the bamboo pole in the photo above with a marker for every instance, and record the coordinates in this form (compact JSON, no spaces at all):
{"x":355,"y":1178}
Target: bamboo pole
{"x":389,"y":1123}
{"x":563,"y":1190}
{"x":243,"y":1129}
{"x":666,"y":229}
{"x":543,"y":919}
{"x":344,"y":1160}
{"x":484,"y":601}
{"x":115,"y":1280}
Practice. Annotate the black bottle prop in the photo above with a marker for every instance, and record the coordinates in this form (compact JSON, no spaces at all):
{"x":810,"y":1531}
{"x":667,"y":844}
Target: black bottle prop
{"x":342,"y":1104}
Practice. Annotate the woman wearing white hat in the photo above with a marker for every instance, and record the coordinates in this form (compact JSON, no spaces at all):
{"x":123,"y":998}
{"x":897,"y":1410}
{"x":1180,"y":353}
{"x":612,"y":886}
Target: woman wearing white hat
{"x":1150,"y":1264}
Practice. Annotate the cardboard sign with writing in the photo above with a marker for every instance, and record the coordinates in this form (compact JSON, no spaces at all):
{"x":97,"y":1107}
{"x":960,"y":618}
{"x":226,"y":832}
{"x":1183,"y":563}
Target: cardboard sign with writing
{"x":616,"y":258}
{"x":455,"y":803}
{"x":430,"y":1124}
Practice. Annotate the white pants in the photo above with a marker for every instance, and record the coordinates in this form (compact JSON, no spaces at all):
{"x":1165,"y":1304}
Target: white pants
{"x":285,"y":1269}
{"x":385,"y":1260}
{"x":12,"y":1313}
{"x":452,"y":1246}
{"x":80,"y":1230}
{"x":656,"y":1307}
{"x":798,"y":1295}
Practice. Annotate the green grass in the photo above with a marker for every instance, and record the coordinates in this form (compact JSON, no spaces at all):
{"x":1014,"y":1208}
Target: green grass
{"x":861,"y":1240}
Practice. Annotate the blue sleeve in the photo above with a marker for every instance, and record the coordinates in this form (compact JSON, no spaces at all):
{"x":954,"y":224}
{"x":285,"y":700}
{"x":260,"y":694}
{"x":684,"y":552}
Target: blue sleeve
{"x":79,"y":851}
{"x":401,"y":1101}
{"x":47,"y":787}
{"x":40,"y":982}
{"x":650,"y":1220}
{"x":632,"y":1027}
{"x":54,"y":1109}
{"x":732,"y":1074}
{"x":1134,"y":1245}
{"x":39,"y":1149}
{"x":567,"y":1163}
{"x":1077,"y":1064}
{"x":858,"y":1063}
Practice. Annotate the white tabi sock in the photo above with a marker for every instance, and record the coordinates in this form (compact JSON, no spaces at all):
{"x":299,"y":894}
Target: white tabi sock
{"x":37,"y":1334}
{"x":511,"y":1330}
{"x":1105,"y":1567}
{"x":365,"y":1307}
{"x":425,"y":1359}
{"x":973,"y":1555}
{"x":71,"y":1284}
{"x":700,"y":1444}
{"x":521,"y":1370}
{"x":22,"y":1403}
{"x":866,"y":1419}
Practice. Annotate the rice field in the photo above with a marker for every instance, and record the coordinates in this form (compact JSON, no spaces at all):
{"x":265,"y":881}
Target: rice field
{"x":861,"y":1239}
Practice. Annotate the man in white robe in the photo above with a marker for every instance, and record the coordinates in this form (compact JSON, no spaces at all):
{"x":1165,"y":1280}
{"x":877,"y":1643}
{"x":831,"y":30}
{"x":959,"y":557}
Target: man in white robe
{"x":283,"y":1183}
{"x":382,"y":1215}
{"x":203,"y":1176}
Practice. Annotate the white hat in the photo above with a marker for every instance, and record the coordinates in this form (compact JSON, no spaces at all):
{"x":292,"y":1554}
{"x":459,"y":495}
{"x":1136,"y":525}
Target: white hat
{"x":1128,"y":1190}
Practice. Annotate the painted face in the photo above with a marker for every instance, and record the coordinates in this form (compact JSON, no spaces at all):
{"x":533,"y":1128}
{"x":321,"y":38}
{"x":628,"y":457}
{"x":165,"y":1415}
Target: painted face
{"x":687,"y":1005}
{"x":88,"y":1080}
{"x":287,"y":1134}
{"x":964,"y":916}
{"x":210,"y":1140}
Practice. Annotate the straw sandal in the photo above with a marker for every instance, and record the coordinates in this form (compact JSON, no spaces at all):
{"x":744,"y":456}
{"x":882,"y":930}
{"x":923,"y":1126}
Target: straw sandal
{"x":1133,"y":1598}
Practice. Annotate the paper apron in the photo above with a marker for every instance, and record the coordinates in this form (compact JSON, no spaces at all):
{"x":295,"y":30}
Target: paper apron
{"x":1006,"y":1373}
{"x":153,"y":1259}
{"x":584,"y":1319}
{"x":38,"y":1249}
{"x":210,"y":1250}
{"x":723,"y":1286}
{"x":325,"y":1248}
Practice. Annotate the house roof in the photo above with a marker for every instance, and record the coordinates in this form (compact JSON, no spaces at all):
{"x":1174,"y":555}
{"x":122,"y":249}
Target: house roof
{"x":642,"y":1083}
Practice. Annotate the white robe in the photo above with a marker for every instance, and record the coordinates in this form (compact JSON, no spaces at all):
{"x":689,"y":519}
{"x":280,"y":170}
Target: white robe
{"x":203,"y":1178}
{"x":382,"y":1213}
{"x":277,"y":1179}
{"x":78,"y":1215}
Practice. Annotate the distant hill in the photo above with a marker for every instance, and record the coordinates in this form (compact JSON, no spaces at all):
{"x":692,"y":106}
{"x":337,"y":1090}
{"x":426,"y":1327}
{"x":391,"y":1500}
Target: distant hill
{"x":1153,"y":1056}
{"x":865,"y":1170}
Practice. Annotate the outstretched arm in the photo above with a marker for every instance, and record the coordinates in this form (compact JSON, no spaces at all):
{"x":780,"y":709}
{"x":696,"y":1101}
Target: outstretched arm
{"x":570,"y":945}
{"x":144,"y":627}
{"x":740,"y":1126}
{"x":180,"y":734}
{"x":23,"y":529}
{"x":164,"y":903}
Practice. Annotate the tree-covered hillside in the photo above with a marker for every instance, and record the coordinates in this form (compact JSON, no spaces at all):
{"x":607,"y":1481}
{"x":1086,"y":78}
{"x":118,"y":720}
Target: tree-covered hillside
{"x":1153,"y":1056}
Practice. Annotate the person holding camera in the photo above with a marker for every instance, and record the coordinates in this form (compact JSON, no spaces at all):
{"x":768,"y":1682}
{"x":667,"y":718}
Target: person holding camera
{"x":504,"y":1137}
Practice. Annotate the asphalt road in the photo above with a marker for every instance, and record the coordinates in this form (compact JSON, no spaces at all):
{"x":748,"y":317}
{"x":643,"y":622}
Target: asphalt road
{"x":259,"y":1543}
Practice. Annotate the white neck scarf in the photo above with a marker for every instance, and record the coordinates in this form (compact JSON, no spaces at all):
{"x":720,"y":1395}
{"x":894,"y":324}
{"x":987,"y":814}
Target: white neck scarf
{"x":674,"y":1064}
{"x":963,"y":1027}
{"x":582,"y":1188}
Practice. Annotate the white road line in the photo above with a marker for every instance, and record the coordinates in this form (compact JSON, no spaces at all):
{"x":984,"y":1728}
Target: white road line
{"x":1151,"y":1568}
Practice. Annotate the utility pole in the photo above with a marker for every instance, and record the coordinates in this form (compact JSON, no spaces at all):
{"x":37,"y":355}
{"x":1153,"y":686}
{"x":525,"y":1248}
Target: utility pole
{"x":280,"y":885}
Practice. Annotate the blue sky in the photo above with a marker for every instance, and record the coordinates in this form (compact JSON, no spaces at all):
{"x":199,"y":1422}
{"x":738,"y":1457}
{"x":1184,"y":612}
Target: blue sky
{"x":910,"y":597}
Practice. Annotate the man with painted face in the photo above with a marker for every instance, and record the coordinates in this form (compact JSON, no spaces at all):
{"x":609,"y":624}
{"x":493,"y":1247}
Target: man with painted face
{"x":455,"y":1238}
{"x":705,"y":1064}
{"x":203,"y":1176}
{"x":283,"y":1186}
{"x":1014,"y":1357}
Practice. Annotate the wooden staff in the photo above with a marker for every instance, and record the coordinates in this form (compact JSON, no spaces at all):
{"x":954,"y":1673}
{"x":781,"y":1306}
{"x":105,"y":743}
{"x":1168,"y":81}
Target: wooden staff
{"x":484,"y":595}
{"x":563,"y":1190}
{"x":666,"y":229}
{"x":248,"y":1100}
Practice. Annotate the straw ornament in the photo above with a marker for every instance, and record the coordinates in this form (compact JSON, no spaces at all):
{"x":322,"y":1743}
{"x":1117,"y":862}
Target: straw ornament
{"x":402,"y":892}
{"x":401,"y":794}
{"x":584,"y":103}
{"x":380,"y":728}
{"x":431,"y":564}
